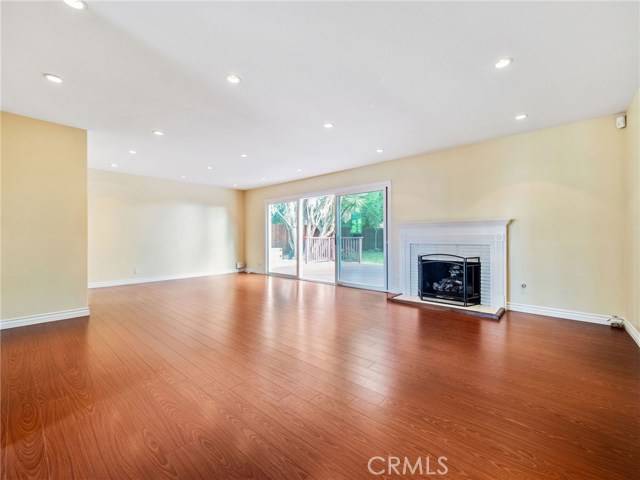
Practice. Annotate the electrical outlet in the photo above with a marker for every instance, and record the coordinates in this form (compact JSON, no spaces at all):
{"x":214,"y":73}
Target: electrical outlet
{"x":136,"y":270}
{"x":616,"y":322}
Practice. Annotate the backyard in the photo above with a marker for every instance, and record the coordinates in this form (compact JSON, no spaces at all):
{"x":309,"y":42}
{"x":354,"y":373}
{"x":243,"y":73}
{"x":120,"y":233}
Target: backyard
{"x":373,"y":256}
{"x":347,"y":229}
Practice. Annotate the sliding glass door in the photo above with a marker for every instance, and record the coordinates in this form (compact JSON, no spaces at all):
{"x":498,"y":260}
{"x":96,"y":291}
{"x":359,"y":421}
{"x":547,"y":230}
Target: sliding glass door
{"x":337,"y":237}
{"x":318,"y":238}
{"x":282,"y":241}
{"x":362,"y":240}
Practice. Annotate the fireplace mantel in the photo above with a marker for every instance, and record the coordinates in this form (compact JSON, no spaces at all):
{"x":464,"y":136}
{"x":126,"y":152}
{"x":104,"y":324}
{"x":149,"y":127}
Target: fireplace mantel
{"x":492,"y":233}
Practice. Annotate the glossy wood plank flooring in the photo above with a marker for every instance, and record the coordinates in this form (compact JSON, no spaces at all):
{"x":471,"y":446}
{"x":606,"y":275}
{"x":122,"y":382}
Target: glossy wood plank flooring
{"x":246,"y":376}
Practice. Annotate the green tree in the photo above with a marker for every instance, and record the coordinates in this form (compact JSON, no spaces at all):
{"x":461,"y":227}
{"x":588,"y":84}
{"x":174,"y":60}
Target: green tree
{"x":318,"y":216}
{"x":362,"y":210}
{"x":285,"y":213}
{"x":373,"y":210}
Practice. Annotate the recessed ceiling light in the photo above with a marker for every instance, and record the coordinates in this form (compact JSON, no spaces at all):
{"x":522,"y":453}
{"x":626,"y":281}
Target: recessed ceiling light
{"x":244,"y":155}
{"x":77,"y":4}
{"x":114,"y":165}
{"x":263,"y":178}
{"x":522,"y":116}
{"x":158,"y":132}
{"x":209,"y":167}
{"x":183,"y":177}
{"x":52,"y":78}
{"x":503,"y":62}
{"x":379,"y":150}
{"x":329,"y":125}
{"x":235,"y":184}
{"x":132,"y":152}
{"x":233,"y":78}
{"x":299,"y":170}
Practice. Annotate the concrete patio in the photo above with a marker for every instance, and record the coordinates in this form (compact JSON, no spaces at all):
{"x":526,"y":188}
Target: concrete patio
{"x":366,"y":274}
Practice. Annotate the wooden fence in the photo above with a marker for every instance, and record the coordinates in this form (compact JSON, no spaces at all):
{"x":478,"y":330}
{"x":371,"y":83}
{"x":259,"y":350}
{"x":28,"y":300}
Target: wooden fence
{"x":319,"y":249}
{"x":351,"y":250}
{"x":280,"y":237}
{"x":322,"y":249}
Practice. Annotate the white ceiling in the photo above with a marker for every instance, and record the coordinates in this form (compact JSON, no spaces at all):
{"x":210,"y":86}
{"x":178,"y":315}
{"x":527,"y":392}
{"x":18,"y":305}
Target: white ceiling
{"x":406,"y":77}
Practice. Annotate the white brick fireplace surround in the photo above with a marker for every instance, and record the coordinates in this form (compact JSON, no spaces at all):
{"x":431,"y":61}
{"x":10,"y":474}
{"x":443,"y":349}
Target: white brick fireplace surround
{"x":485,"y":238}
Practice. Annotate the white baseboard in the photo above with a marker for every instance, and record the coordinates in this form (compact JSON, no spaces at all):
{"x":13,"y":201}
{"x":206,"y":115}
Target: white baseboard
{"x":632,"y":331}
{"x":572,"y":315}
{"x":559,"y":313}
{"x":43,"y":318}
{"x":133,"y":281}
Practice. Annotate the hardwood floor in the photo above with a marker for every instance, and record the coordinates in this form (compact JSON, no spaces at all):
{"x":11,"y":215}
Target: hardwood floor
{"x":246,"y":376}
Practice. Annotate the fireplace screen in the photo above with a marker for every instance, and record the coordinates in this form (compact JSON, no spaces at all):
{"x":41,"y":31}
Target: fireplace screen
{"x":449,"y":279}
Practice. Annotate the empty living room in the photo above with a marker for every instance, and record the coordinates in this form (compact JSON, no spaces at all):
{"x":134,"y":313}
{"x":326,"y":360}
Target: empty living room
{"x":319,"y":240}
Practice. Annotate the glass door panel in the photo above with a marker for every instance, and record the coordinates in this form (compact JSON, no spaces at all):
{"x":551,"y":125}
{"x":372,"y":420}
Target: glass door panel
{"x":362,"y":240}
{"x":283,"y":238}
{"x":318,"y":261}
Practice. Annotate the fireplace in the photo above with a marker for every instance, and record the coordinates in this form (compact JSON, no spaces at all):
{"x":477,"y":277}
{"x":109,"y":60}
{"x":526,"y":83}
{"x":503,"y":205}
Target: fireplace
{"x":486,"y":239}
{"x":450,"y":279}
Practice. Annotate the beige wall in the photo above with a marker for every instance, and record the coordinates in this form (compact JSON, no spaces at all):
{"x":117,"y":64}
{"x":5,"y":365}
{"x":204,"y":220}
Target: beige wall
{"x":562,"y":187}
{"x":1,"y":118}
{"x":565,"y":188}
{"x":633,"y":212}
{"x":162,"y":227}
{"x":44,"y":217}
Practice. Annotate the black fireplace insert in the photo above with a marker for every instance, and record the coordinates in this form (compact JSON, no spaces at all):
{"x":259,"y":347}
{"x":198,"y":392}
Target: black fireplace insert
{"x":449,"y":279}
